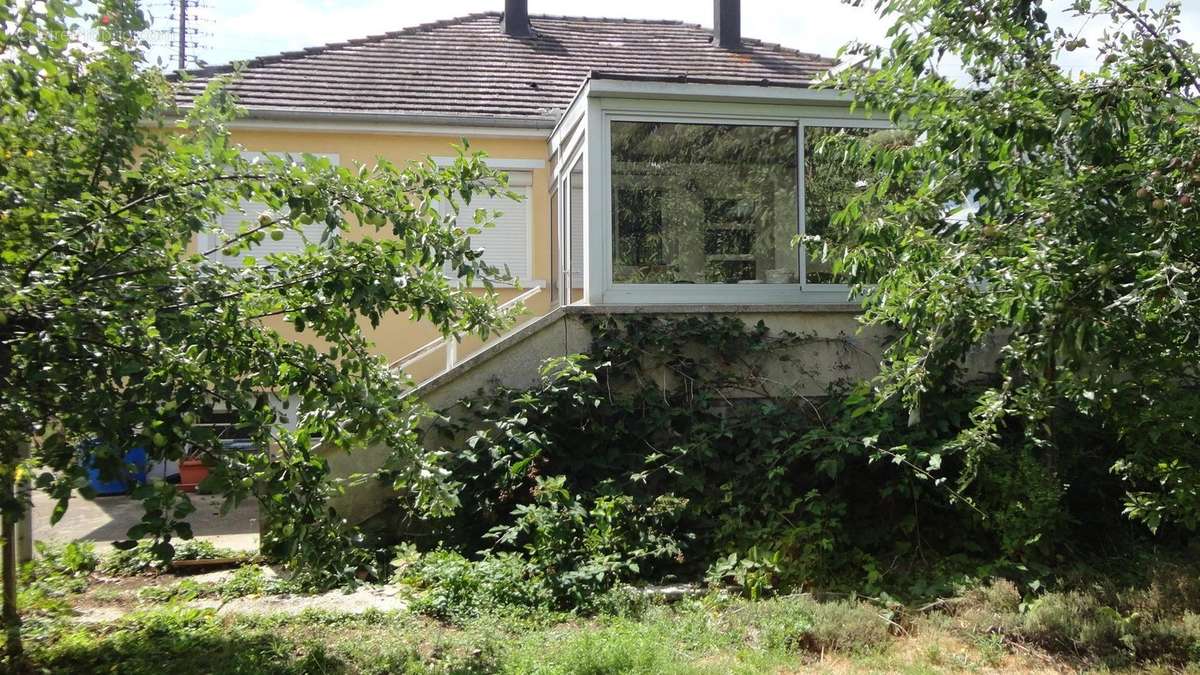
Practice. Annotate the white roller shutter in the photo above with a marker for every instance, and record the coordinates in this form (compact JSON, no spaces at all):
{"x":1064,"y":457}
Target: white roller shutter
{"x":509,"y":241}
{"x":247,"y":214}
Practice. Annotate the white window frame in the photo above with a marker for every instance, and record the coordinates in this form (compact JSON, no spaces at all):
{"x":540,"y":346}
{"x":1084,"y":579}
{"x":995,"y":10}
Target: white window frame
{"x":212,"y":240}
{"x":602,"y":112}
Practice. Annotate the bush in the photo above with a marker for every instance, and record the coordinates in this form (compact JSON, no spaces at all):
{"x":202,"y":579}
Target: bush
{"x":451,"y":588}
{"x":672,"y":447}
{"x":1074,"y":621}
{"x":585,"y":548}
{"x":675,"y":451}
{"x":990,"y":607}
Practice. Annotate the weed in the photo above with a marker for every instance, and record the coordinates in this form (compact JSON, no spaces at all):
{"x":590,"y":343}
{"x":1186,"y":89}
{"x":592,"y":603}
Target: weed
{"x":245,"y":581}
{"x":184,"y":591}
{"x":54,"y":574}
{"x":801,"y":624}
{"x":451,"y":588}
{"x":253,"y":580}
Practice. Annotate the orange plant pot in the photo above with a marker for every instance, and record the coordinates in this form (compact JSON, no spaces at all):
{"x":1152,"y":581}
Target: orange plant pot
{"x":191,"y":471}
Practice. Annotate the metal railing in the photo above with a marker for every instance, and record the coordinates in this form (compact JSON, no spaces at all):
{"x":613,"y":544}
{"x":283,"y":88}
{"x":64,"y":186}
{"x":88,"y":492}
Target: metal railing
{"x":450,"y":343}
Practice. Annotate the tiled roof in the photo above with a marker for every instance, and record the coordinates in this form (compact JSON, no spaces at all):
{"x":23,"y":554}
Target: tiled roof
{"x":468,"y":67}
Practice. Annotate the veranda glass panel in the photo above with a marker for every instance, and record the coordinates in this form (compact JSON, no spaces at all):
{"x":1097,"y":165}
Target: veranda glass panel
{"x":833,"y":175}
{"x":575,"y":224}
{"x":704,"y":203}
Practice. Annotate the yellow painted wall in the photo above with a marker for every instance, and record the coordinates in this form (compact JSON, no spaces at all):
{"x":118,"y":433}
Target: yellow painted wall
{"x":397,"y":336}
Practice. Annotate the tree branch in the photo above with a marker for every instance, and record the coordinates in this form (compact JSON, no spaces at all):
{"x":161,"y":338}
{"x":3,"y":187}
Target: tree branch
{"x":153,"y":196}
{"x":273,"y":287}
{"x":248,"y":233}
{"x":1180,"y":62}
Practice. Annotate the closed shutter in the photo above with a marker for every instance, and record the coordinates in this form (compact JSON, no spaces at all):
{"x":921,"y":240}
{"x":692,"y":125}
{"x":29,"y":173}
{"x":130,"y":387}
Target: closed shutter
{"x":508,"y":242}
{"x":247,"y":214}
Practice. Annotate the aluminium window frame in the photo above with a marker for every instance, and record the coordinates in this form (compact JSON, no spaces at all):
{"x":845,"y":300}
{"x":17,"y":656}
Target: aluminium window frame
{"x":604,"y":112}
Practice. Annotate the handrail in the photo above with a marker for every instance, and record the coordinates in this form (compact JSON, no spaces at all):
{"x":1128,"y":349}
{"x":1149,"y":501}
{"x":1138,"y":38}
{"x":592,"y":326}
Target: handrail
{"x":450,"y":342}
{"x":419,"y":354}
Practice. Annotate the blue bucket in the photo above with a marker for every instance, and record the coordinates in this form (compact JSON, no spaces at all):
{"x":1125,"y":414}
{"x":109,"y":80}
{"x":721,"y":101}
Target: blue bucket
{"x":133,"y":474}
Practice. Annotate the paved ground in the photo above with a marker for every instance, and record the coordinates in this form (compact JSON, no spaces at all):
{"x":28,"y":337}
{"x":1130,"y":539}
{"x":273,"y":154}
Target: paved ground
{"x":106,"y":520}
{"x":109,"y":599}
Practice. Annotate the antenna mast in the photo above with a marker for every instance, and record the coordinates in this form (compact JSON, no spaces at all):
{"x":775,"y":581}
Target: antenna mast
{"x":181,"y":34}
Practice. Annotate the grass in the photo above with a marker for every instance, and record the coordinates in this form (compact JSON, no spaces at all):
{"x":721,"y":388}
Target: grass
{"x":711,"y":635}
{"x":697,"y":638}
{"x":1095,"y":626}
{"x":244,"y":581}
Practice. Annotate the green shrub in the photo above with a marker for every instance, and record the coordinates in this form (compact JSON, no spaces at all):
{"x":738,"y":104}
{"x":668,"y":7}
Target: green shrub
{"x":452,"y":588}
{"x":990,"y":607}
{"x":584,"y":548}
{"x":1190,"y":629}
{"x":679,"y":449}
{"x":786,"y":623}
{"x":1171,"y":590}
{"x":679,"y":433}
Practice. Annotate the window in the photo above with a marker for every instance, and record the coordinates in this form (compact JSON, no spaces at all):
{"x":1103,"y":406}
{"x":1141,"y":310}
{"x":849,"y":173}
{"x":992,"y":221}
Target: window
{"x":508,"y":243}
{"x":246,"y":217}
{"x":704,"y":203}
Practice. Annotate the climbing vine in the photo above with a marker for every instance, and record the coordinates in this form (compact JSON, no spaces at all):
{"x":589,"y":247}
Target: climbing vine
{"x":678,"y":447}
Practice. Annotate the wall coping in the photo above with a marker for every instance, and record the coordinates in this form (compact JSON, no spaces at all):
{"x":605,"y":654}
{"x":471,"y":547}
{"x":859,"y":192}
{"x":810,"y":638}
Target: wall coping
{"x":490,"y":351}
{"x":828,"y":308}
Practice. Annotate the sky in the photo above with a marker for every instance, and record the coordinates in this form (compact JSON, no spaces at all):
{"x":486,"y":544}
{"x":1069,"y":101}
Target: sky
{"x":242,"y":29}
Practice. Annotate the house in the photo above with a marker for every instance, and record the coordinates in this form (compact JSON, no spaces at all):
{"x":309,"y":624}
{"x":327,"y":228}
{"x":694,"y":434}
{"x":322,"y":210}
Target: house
{"x":667,"y":168}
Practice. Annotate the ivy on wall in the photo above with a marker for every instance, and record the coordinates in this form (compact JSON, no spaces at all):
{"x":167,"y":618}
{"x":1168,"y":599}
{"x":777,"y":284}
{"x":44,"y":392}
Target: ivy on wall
{"x":674,"y":449}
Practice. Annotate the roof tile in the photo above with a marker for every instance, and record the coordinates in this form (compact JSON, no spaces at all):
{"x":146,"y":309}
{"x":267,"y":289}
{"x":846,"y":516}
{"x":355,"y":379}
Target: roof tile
{"x":469,"y":66}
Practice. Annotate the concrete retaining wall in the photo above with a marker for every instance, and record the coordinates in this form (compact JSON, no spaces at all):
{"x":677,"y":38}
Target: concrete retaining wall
{"x":838,"y":350}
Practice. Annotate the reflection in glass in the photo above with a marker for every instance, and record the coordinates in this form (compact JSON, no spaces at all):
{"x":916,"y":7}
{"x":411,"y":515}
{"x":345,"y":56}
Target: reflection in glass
{"x":704,"y":203}
{"x":556,"y":246}
{"x":834,"y":173}
{"x":576,"y":234}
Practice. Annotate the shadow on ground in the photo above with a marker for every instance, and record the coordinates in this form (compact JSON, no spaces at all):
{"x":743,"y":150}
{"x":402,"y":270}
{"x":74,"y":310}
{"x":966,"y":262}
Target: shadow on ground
{"x":107,"y":519}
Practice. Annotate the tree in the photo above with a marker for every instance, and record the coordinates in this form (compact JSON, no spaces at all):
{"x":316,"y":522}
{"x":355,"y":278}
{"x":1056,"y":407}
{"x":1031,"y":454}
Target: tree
{"x":1055,"y":213}
{"x":119,"y":330}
